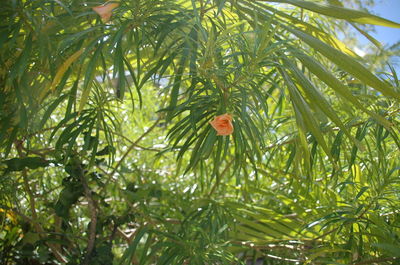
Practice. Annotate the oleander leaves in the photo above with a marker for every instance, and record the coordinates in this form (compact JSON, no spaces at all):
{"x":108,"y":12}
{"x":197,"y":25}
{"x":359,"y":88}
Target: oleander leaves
{"x":309,"y":175}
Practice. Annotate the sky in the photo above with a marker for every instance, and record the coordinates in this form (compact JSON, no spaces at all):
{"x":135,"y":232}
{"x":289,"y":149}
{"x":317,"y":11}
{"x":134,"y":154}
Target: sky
{"x":389,"y":9}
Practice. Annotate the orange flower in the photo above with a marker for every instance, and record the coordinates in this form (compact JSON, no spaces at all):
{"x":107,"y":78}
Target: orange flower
{"x":223,"y":124}
{"x":105,"y":10}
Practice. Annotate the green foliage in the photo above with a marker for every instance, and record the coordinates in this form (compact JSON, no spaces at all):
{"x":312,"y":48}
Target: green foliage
{"x":18,"y":164}
{"x":108,"y":155}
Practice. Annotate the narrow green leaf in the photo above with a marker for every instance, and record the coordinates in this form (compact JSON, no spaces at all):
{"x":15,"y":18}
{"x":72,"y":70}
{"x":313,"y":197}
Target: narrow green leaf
{"x":361,"y":192}
{"x":340,"y":12}
{"x":51,"y":108}
{"x":128,"y":254}
{"x":177,"y":82}
{"x":328,"y":78}
{"x":305,"y":113}
{"x":21,"y":63}
{"x":347,"y":63}
{"x":18,"y":164}
{"x":316,"y":97}
{"x":302,"y":25}
{"x":90,"y":71}
{"x":368,"y":36}
{"x":389,"y":248}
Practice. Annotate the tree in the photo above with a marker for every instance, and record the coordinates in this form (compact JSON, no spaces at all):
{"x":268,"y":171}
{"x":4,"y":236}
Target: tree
{"x":109,"y":157}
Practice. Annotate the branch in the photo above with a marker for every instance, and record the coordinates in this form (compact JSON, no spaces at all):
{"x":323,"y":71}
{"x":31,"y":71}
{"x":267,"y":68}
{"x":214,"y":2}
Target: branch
{"x":93,"y":217}
{"x":32,"y":204}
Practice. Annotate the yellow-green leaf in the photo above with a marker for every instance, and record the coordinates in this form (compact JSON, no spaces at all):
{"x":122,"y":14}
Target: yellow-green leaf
{"x":61,"y":71}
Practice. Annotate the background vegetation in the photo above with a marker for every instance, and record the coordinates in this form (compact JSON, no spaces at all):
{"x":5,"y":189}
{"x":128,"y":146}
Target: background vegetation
{"x":108,"y":157}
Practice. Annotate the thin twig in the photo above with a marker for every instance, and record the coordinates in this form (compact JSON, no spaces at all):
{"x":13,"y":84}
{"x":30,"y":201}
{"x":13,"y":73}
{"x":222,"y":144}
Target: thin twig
{"x":376,"y":261}
{"x":218,"y":180}
{"x":132,"y":146}
{"x":123,"y":235}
